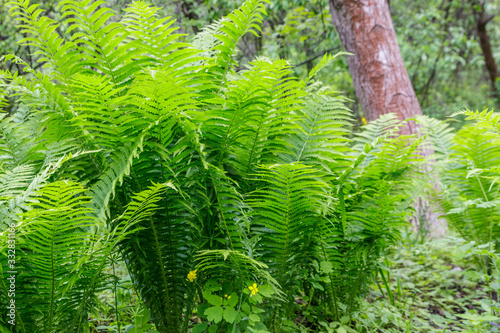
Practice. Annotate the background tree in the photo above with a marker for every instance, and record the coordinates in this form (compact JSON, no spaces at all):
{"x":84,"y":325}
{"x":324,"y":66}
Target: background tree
{"x":379,"y":75}
{"x":482,"y":19}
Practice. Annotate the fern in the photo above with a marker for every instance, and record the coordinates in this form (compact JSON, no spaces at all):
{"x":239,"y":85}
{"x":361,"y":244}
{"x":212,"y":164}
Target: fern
{"x":324,"y":62}
{"x":291,"y":194}
{"x":386,"y":125}
{"x":157,"y":254}
{"x":133,"y":141}
{"x":60,"y":56}
{"x":439,"y":135}
{"x":52,"y":238}
{"x":98,"y":43}
{"x":470,"y":177}
{"x":246,"y":19}
{"x":253,"y":116}
{"x":486,"y":119}
{"x":322,"y":133}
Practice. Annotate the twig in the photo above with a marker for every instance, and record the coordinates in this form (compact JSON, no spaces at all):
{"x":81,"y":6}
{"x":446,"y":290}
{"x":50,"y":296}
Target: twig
{"x":317,"y":56}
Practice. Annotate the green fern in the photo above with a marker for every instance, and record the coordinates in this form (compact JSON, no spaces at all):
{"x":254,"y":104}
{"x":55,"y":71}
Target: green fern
{"x":285,"y":216}
{"x":52,"y":238}
{"x":141,"y":143}
{"x":469,"y":198}
{"x":158,"y":254}
{"x":322,"y":135}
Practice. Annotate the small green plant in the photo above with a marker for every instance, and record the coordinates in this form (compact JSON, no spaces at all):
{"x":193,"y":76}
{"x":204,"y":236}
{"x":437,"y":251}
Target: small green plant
{"x":337,"y":327}
{"x":229,"y":310}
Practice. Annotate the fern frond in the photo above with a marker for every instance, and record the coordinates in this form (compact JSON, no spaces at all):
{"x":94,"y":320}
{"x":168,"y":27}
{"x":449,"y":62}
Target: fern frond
{"x":230,"y":207}
{"x":248,"y":127}
{"x":205,"y":40}
{"x":62,"y":57}
{"x":439,"y":134}
{"x":246,"y":19}
{"x":322,"y":135}
{"x":323,"y":63}
{"x":13,"y":182}
{"x":386,"y":124}
{"x":18,"y":193}
{"x":104,"y":189}
{"x":394,"y":157}
{"x":53,"y":238}
{"x":100,"y":43}
{"x":214,"y":264}
{"x":470,"y":185}
{"x":487,"y":119}
{"x":100,"y":108}
{"x":285,"y":216}
{"x":379,"y":216}
{"x":169,"y":102}
{"x":158,"y":252}
{"x":43,"y":96}
{"x":154,"y":36}
{"x":15,"y":142}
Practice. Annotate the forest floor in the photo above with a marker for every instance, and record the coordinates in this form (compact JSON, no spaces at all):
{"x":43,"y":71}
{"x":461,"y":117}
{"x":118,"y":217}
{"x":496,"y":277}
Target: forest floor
{"x":435,"y":287}
{"x":431,"y":287}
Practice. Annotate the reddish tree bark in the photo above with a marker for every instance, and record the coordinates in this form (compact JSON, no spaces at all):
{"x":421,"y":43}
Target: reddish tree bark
{"x":378,"y":72}
{"x":379,"y":75}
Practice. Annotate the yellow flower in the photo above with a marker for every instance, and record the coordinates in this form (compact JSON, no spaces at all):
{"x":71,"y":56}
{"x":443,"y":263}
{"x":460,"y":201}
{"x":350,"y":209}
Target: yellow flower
{"x":363,"y":120}
{"x":228,"y":297}
{"x":192,"y":275}
{"x":253,"y":289}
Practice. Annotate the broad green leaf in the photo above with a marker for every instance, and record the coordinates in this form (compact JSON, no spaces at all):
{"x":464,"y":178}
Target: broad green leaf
{"x":214,"y":313}
{"x":230,"y":315}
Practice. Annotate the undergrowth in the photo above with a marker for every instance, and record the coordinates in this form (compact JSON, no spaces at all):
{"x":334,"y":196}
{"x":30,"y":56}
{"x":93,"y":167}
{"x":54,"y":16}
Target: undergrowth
{"x":433,"y":287}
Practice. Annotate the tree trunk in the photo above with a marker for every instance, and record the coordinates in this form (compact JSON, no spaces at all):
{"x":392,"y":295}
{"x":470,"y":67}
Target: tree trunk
{"x":378,"y":72}
{"x":380,"y":79}
{"x":484,"y":42}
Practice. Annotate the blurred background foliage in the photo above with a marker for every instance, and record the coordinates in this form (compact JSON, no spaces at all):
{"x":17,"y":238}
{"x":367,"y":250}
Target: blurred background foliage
{"x":438,"y":41}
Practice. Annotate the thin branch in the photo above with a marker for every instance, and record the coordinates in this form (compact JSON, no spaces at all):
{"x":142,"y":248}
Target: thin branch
{"x":317,"y":56}
{"x":489,"y":19}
